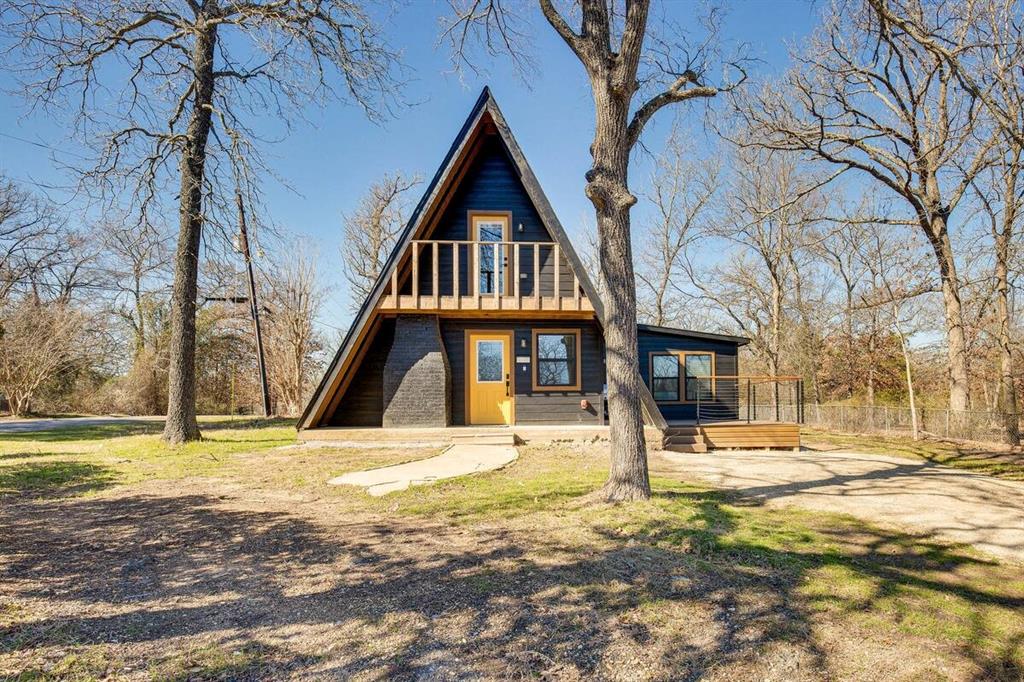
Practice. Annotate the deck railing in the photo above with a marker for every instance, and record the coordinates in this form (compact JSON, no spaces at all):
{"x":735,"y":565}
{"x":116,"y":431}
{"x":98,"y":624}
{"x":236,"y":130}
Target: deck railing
{"x":485,"y":275}
{"x":747,"y":398}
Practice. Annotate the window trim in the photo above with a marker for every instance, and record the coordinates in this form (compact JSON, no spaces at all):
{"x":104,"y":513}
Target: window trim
{"x":467,"y":335}
{"x":473,"y":219}
{"x":681,"y":358}
{"x":651,"y":377}
{"x":535,"y":358}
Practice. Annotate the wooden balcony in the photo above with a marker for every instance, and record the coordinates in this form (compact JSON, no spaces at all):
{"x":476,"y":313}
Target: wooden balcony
{"x":445,"y":276}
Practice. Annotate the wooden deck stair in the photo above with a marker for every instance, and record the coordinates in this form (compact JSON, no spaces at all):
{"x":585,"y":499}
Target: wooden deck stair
{"x":731,"y":435}
{"x":684,"y":439}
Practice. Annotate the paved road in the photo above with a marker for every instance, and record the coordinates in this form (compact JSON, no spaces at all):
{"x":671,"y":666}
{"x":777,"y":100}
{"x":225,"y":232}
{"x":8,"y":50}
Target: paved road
{"x":946,"y":503}
{"x":34,"y":425}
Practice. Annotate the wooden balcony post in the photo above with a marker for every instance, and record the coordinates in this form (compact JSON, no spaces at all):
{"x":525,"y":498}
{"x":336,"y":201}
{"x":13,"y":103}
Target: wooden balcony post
{"x":435,"y":277}
{"x":558,"y":278}
{"x":536,"y":275}
{"x":394,"y":283}
{"x":416,"y":274}
{"x":475,"y":246}
{"x":496,"y":282}
{"x":455,"y":275}
{"x":515,"y":273}
{"x":576,"y":290}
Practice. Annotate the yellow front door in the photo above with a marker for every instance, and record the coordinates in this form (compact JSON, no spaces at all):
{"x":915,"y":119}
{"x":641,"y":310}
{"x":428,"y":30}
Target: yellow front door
{"x":490,"y":378}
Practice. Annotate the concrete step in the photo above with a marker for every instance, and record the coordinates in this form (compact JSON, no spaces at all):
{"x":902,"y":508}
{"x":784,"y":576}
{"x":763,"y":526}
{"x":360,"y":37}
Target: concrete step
{"x":684,"y":440}
{"x":496,"y":438}
{"x":692,"y":448}
{"x":682,"y":430}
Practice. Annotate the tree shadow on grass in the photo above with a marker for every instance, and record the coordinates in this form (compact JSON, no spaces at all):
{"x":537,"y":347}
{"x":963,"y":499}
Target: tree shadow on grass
{"x":675,"y":596}
{"x":72,"y":431}
{"x":60,"y":478}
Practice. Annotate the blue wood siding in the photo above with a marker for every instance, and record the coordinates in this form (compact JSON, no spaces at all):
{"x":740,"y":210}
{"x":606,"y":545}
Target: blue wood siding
{"x":726,"y":364}
{"x":532,"y":407}
{"x":490,"y":184}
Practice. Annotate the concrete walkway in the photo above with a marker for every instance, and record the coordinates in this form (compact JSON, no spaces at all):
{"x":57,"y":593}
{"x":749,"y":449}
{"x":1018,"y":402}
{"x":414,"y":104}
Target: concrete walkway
{"x":458,"y":460}
{"x":946,"y":503}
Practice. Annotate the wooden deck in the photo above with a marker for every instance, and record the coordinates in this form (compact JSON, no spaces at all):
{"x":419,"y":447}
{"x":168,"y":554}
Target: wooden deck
{"x":743,"y":435}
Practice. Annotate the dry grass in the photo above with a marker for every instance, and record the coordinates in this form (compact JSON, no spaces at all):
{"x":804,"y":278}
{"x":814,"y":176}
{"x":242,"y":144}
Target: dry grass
{"x":991,"y":461}
{"x":249,"y":567}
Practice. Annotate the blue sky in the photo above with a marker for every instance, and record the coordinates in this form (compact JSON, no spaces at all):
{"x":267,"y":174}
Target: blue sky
{"x":331,"y":160}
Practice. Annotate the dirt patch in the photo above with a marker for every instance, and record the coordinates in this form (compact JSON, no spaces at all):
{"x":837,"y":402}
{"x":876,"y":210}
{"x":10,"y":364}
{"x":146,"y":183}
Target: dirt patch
{"x":212,"y":580}
{"x":916,"y":495}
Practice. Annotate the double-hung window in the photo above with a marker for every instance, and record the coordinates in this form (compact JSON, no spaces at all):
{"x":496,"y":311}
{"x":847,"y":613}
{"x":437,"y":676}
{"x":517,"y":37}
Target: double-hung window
{"x":698,"y":371}
{"x":557,"y":359}
{"x":665,"y":377}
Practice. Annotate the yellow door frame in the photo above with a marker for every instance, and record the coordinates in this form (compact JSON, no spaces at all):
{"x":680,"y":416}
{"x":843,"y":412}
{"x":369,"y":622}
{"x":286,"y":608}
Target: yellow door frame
{"x":509,"y":336}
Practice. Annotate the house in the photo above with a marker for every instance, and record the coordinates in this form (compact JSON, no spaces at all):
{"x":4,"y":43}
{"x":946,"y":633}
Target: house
{"x":484,"y":314}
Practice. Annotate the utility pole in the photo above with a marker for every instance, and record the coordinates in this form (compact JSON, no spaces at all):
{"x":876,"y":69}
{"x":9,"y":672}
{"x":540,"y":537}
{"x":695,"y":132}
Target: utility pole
{"x":254,"y":308}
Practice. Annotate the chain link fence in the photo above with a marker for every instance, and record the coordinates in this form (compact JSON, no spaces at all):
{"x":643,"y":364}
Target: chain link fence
{"x":973,"y":425}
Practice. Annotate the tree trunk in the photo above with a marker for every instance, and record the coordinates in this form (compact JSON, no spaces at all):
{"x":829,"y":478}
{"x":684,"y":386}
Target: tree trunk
{"x":608,"y":190}
{"x":1007,"y":394}
{"x":915,"y":428}
{"x":956,"y":343}
{"x":872,"y":360}
{"x":182,"y":425}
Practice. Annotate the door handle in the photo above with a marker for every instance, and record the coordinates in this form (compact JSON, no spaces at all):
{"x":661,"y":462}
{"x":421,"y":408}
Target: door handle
{"x":508,"y":387}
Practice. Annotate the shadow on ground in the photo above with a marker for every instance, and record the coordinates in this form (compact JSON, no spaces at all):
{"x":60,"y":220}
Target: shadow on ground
{"x":72,"y":431}
{"x":54,"y":478}
{"x":409,"y":599}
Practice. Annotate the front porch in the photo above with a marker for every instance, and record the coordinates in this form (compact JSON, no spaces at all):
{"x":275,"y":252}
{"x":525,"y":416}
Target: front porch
{"x":448,"y":435}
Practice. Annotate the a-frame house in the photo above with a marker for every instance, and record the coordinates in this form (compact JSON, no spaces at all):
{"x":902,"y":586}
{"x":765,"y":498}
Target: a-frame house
{"x":485,"y":314}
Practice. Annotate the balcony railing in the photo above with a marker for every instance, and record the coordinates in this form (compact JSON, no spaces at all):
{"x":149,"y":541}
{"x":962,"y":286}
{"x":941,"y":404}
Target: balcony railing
{"x":475,"y":275}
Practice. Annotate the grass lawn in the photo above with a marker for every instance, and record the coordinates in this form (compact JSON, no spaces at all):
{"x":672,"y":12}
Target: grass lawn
{"x":1002,"y":463}
{"x":231,"y":559}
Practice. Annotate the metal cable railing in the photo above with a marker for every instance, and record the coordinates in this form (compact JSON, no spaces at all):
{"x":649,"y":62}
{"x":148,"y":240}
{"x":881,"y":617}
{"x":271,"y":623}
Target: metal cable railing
{"x":746,"y":398}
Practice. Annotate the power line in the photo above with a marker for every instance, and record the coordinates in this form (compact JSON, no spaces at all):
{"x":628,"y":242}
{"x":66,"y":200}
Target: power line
{"x":43,"y":145}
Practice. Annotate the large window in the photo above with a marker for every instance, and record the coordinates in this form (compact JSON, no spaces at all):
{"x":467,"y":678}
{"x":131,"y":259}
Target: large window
{"x":557,"y":354}
{"x":682,"y":376}
{"x":665,"y":377}
{"x":699,"y":369}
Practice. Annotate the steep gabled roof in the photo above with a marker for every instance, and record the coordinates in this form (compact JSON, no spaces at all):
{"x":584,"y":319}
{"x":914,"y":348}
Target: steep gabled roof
{"x":485,"y":109}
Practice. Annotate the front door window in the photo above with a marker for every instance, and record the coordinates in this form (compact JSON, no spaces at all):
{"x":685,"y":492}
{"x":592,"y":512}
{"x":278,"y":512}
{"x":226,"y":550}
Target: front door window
{"x":490,"y":360}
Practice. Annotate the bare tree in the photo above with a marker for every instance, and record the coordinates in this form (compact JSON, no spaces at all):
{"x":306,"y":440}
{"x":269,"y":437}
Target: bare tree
{"x":293,"y":299}
{"x":29,"y":237}
{"x":137,"y":259}
{"x":771,"y":208}
{"x":610,"y":45}
{"x":985,"y":50}
{"x":869,"y":98}
{"x":181,"y":79}
{"x":897,"y":279}
{"x":37,"y":342}
{"x":681,"y":192}
{"x":370,"y":232}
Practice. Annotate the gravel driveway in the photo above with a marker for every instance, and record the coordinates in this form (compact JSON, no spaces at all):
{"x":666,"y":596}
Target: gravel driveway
{"x":949,"y":504}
